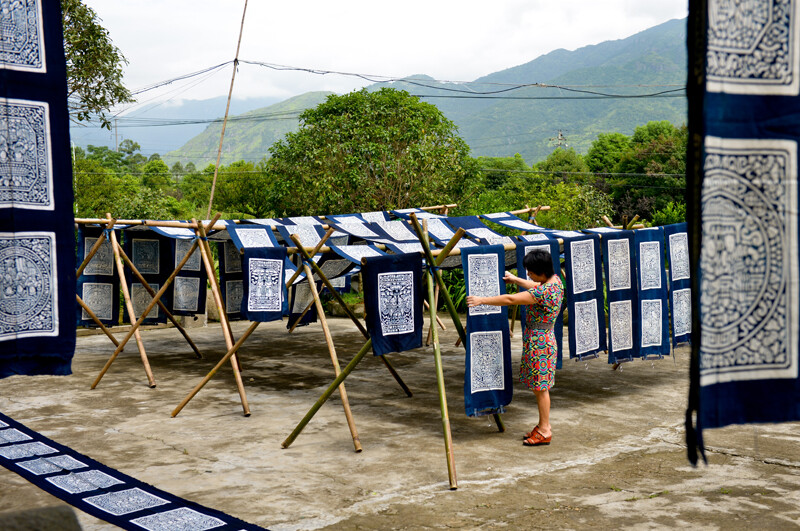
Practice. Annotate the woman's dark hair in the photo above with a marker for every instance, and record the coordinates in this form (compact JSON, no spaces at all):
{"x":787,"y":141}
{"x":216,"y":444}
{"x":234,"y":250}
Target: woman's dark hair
{"x":539,"y":262}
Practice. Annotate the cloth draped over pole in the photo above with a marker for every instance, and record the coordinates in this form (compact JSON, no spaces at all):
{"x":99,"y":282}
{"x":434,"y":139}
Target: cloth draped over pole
{"x":152,"y":254}
{"x":743,"y":215}
{"x":488,"y":385}
{"x":98,"y":285}
{"x":652,"y":292}
{"x":624,"y":321}
{"x":37,"y":245}
{"x":680,"y":287}
{"x":583,"y":271}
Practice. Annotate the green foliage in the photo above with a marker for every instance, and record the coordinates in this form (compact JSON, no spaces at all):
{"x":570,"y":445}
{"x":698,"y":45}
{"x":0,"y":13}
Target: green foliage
{"x":496,"y":170}
{"x":454,"y":284}
{"x":672,"y":213}
{"x":606,"y":152}
{"x":94,"y":64}
{"x":369,"y":151}
{"x":562,"y":162}
{"x":243,"y":187}
{"x":156,"y":175}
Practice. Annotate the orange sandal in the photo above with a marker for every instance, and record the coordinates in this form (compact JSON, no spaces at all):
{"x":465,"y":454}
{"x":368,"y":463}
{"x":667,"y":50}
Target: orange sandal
{"x":537,"y":439}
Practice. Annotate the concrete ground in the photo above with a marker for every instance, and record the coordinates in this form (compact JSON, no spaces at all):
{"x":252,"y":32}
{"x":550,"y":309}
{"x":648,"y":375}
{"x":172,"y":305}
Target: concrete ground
{"x":617,"y":459}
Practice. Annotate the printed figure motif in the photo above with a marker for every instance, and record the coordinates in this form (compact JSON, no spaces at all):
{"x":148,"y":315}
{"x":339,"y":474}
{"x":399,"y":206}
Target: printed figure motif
{"x":486,"y":362}
{"x":181,"y":248}
{"x":265,"y":294}
{"x":234,"y":293}
{"x":26,"y":172}
{"x":650,"y":265}
{"x":582,"y":267}
{"x":146,"y":256}
{"x":679,"y":256}
{"x":619,"y":264}
{"x":141,"y":298}
{"x":186,"y":293}
{"x":651,"y":323}
{"x":233,"y":260}
{"x":587,"y":336}
{"x":621,"y":325}
{"x":28,"y":290}
{"x":102,"y":263}
{"x":125,"y":501}
{"x":682,"y":311}
{"x":254,"y":238}
{"x":21,"y":38}
{"x":484,"y":281}
{"x":395,"y":302}
{"x":100,"y":298}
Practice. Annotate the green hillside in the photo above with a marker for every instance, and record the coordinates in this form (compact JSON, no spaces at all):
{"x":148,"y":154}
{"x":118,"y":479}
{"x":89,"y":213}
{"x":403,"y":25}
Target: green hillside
{"x":521,"y":121}
{"x":248,"y":136}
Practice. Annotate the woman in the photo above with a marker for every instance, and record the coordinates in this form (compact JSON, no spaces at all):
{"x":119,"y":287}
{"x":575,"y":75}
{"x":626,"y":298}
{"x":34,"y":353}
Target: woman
{"x":543,"y":294}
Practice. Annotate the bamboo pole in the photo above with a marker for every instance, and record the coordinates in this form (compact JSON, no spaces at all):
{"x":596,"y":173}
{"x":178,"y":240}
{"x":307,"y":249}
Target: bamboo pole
{"x":527,"y":210}
{"x":97,"y":320}
{"x":437,"y":358}
{"x":205,"y":253}
{"x":232,"y":351}
{"x":630,"y":225}
{"x":227,"y":109}
{"x":297,"y":322}
{"x":129,"y":305}
{"x":346,"y":308}
{"x":438,"y":320}
{"x":161,"y":305}
{"x":334,"y":359}
{"x":316,"y":250}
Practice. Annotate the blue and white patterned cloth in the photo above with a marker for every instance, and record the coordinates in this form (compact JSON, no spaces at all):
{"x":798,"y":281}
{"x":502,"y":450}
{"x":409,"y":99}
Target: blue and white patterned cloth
{"x":652,"y":292}
{"x":745,"y":215}
{"x":37,"y":243}
{"x":153,"y":256}
{"x":487,"y":372}
{"x":98,"y":285}
{"x":676,"y":239}
{"x":624,"y":322}
{"x":584,"y":286}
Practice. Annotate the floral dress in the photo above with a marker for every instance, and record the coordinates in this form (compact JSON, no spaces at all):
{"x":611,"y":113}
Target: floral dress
{"x":539,"y":348}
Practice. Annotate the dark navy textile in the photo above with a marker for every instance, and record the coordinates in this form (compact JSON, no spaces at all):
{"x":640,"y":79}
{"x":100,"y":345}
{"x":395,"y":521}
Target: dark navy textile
{"x":552,"y":247}
{"x":393,"y":302}
{"x":680,"y":283}
{"x":488,"y":385}
{"x":98,"y":285}
{"x":101,"y":491}
{"x":584,"y":286}
{"x":624,"y":320}
{"x":231,"y":279}
{"x":152,"y":255}
{"x":653,"y":339}
{"x":37,"y":240}
{"x":264,"y":298}
{"x":189,"y":288}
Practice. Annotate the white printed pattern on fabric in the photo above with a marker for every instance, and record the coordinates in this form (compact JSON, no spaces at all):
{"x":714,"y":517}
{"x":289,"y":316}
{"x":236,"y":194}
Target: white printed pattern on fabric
{"x":396,"y":302}
{"x":233,"y":259}
{"x":753,"y":47}
{"x":486,"y":361}
{"x":28,"y":285}
{"x":102,"y":263}
{"x":254,"y":238}
{"x":619,"y":265}
{"x":682,"y":311}
{"x":22,"y":38}
{"x":484,"y":281}
{"x":265,"y":283}
{"x":181,"y":248}
{"x":26,"y":165}
{"x":651,"y":322}
{"x":186,"y":294}
{"x":748,"y":261}
{"x":183,"y":519}
{"x":679,"y":256}
{"x":650,"y":266}
{"x":620,"y":325}
{"x":125,"y":501}
{"x":99,"y":297}
{"x":146,"y":256}
{"x":141,"y":298}
{"x":84,"y":481}
{"x":582,"y":266}
{"x":587,"y":329}
{"x":234,"y":293}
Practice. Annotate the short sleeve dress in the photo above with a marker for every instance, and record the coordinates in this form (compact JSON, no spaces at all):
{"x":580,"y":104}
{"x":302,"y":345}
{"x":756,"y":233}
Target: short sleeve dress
{"x":539,"y":347}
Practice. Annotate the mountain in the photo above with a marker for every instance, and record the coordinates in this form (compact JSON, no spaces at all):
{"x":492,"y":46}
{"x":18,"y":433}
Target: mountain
{"x":248,"y":136}
{"x":524,"y":120}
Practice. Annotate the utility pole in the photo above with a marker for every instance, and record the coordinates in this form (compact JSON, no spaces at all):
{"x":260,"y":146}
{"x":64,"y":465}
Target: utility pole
{"x":560,"y":140}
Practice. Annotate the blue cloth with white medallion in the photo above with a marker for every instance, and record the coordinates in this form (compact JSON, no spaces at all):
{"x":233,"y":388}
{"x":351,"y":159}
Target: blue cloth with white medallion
{"x":653,"y":339}
{"x":676,"y":239}
{"x":584,"y":285}
{"x":98,"y":285}
{"x":624,"y":321}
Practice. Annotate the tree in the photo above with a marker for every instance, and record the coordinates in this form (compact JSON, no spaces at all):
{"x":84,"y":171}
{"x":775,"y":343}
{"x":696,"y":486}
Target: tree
{"x":369,"y":151}
{"x":606,"y":152}
{"x":563,"y":162}
{"x":242,"y":189}
{"x":94,"y":65}
{"x":496,"y":170}
{"x":156,"y":175}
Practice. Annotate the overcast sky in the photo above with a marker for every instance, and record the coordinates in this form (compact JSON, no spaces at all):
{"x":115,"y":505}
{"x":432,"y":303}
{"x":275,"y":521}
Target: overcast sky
{"x":446,"y":39}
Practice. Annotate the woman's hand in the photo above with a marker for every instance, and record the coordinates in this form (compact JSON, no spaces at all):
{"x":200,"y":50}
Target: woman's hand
{"x":510,"y":278}
{"x":473,"y":300}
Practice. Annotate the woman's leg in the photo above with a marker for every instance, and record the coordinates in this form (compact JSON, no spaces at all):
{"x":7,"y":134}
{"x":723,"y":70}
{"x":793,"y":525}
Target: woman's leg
{"x":543,"y":403}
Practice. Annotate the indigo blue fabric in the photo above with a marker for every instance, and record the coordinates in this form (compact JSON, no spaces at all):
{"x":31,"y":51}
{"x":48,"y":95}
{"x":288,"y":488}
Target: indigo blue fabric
{"x":98,"y":490}
{"x":653,"y":339}
{"x":584,"y":285}
{"x":231,"y":279}
{"x":393,"y":302}
{"x":676,"y":239}
{"x":98,"y":285}
{"x":251,"y":236}
{"x":621,"y":294}
{"x":189,"y":287}
{"x":552,"y":247}
{"x":509,"y":220}
{"x":264,"y":297}
{"x":743,"y":216}
{"x":152,"y":255}
{"x":488,"y":385}
{"x":37,"y":240}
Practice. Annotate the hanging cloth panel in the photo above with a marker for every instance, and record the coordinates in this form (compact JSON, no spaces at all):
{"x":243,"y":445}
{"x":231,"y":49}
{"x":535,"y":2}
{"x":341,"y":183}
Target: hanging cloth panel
{"x":98,"y":285}
{"x":37,"y":242}
{"x":244,"y":236}
{"x":152,"y":255}
{"x":394,"y":231}
{"x":487,"y":373}
{"x":355,"y":253}
{"x":652,"y":286}
{"x":476,"y":229}
{"x":405,"y":213}
{"x":624,"y":320}
{"x":190,"y":285}
{"x":300,"y":299}
{"x":509,"y":220}
{"x":264,"y":297}
{"x":307,"y":233}
{"x":587,"y":324}
{"x":745,"y":215}
{"x":680,"y":282}
{"x":552,"y":247}
{"x":231,"y":279}
{"x":393,"y":302}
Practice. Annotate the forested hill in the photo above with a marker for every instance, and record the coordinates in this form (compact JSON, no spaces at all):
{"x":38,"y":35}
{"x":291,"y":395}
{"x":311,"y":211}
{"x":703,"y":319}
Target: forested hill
{"x":519,"y":121}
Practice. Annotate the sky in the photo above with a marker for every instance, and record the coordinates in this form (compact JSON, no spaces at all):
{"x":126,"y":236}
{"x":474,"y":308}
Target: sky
{"x":445,"y":39}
